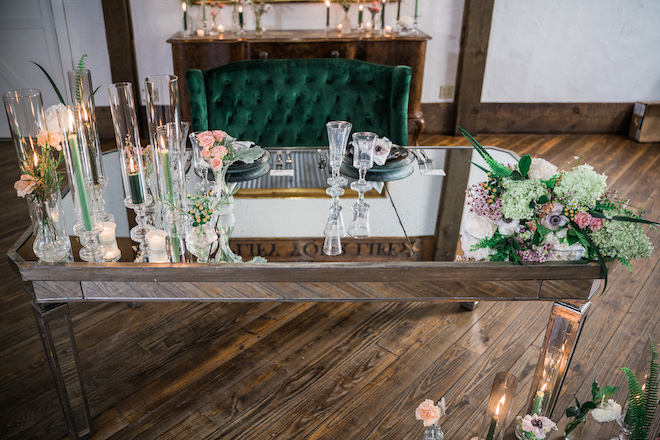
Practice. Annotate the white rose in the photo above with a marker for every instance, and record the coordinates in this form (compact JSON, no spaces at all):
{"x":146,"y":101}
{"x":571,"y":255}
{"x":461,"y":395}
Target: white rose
{"x":542,"y":169}
{"x":607,"y":412}
{"x":508,"y":228}
{"x":562,"y":251}
{"x":479,"y":226}
{"x":467,"y":241}
{"x":52,"y":123}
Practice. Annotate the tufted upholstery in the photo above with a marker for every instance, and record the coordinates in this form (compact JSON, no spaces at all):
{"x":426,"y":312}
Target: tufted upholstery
{"x":280,"y":103}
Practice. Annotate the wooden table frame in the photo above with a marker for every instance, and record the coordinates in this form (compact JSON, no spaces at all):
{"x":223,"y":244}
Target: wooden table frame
{"x":570,"y":285}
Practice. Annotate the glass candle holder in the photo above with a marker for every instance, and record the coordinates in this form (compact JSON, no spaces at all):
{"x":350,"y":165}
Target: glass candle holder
{"x":81,"y":185}
{"x":127,"y":136}
{"x":499,"y":405}
{"x":82,"y":96}
{"x":108,"y":238}
{"x":36,"y":151}
{"x":157,"y":244}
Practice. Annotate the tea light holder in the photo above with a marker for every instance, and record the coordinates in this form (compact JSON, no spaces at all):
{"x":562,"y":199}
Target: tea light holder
{"x":157,"y":244}
{"x":499,"y":405}
{"x":108,"y":238}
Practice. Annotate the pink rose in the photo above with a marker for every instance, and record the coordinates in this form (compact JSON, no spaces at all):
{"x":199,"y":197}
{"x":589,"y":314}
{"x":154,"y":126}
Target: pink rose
{"x":55,"y":140}
{"x":206,"y":153}
{"x":582,"y":219}
{"x":205,"y":139}
{"x":596,"y":223}
{"x":216,"y":164}
{"x":219,"y":135}
{"x":25,"y":185}
{"x":42,"y":138}
{"x":428,"y":413}
{"x":219,"y":151}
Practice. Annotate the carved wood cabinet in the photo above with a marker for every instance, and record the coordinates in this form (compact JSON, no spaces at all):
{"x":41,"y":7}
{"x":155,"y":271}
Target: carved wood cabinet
{"x":207,"y":52}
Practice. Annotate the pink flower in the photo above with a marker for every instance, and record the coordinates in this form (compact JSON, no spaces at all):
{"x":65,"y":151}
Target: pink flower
{"x":25,"y":185}
{"x":42,"y":138}
{"x":219,"y":151}
{"x":206,"y":153}
{"x":382,"y":150}
{"x":538,"y":426}
{"x":55,"y":140}
{"x":582,"y":219}
{"x":216,"y":164}
{"x":429,"y":413}
{"x":596,"y":223}
{"x":205,"y":139}
{"x":219,"y":135}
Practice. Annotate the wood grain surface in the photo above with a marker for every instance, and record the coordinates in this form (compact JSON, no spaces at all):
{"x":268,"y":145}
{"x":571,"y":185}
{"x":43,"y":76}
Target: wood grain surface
{"x":301,"y":370}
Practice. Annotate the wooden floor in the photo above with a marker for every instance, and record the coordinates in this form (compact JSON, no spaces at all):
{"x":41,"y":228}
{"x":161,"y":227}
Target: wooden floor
{"x":321,"y":371}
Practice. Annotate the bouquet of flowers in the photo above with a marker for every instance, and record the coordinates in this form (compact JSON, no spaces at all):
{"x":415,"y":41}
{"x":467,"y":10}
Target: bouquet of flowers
{"x":533,"y":212}
{"x":534,"y":427}
{"x":600,"y":410}
{"x":346,"y":4}
{"x":221,"y":150}
{"x":374,"y":8}
{"x":429,"y":413}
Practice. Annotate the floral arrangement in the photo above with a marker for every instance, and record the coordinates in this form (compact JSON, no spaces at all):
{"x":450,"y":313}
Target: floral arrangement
{"x":39,"y":174}
{"x":214,"y":5}
{"x":405,"y":23}
{"x":600,"y":410}
{"x":221,"y":150}
{"x":260,"y":8}
{"x":200,"y":210}
{"x":429,"y":413}
{"x":533,"y":212}
{"x":346,"y":4}
{"x":534,"y":427}
{"x":374,"y":8}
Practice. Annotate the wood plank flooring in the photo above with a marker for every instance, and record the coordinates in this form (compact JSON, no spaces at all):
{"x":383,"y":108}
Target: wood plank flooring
{"x":322,"y":371}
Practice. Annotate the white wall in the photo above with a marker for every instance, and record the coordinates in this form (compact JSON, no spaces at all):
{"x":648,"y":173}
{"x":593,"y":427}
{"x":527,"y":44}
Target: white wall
{"x":573,"y":51}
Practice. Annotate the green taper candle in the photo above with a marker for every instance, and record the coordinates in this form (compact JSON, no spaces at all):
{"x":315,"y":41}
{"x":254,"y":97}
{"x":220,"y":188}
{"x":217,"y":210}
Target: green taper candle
{"x":82,"y":194}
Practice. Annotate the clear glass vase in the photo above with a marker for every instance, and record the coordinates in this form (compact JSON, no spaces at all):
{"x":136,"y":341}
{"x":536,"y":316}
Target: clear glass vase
{"x":346,"y":25}
{"x":51,"y":242}
{"x":200,"y":240}
{"x":433,"y":433}
{"x":259,"y":29}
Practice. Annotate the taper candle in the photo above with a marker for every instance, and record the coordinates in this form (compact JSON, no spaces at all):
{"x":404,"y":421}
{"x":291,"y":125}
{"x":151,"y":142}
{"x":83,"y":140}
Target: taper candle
{"x":495,"y":420}
{"x":398,"y":11}
{"x":382,"y":16}
{"x":327,"y":13}
{"x":416,"y":8}
{"x":83,"y":196}
{"x":360,"y":15}
{"x":204,"y":10}
{"x":538,"y":400}
{"x":240,"y":16}
{"x":184,"y":6}
{"x":135,"y":183}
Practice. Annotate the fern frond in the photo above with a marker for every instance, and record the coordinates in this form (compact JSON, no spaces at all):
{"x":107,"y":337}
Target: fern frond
{"x":651,"y":388}
{"x":636,"y":406}
{"x":79,"y":79}
{"x":497,"y":169}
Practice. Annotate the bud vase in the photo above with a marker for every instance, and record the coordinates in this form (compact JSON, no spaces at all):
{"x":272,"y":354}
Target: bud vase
{"x":51,"y":242}
{"x":258,"y":27}
{"x":346,"y":25}
{"x":200,"y":240}
{"x":433,"y":432}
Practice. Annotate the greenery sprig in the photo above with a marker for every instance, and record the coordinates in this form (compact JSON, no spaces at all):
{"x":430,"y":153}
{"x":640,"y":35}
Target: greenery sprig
{"x":579,"y":412}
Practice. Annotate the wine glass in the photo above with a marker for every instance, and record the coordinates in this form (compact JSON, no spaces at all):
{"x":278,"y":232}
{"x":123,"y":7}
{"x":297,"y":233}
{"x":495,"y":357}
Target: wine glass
{"x":363,"y":159}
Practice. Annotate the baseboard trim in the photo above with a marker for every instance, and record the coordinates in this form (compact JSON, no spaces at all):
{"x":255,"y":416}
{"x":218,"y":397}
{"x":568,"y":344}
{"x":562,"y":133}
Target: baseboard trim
{"x":542,"y":118}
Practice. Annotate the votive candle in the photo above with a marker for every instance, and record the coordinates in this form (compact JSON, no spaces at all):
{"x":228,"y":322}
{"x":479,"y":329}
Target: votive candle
{"x":108,"y":239}
{"x":156,"y":240}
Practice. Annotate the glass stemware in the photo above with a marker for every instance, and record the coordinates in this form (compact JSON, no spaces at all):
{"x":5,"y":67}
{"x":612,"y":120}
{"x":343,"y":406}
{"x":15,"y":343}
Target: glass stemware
{"x":363,"y":159}
{"x":201,"y":164}
{"x":338,"y":132}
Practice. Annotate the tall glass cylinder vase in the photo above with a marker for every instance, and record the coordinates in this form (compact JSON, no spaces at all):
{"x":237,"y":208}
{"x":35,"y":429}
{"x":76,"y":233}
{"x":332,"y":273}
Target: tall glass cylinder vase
{"x":171,"y":183}
{"x":127,"y":136}
{"x":36,"y":149}
{"x":162,"y":93}
{"x":82,"y":97}
{"x":88,"y":226}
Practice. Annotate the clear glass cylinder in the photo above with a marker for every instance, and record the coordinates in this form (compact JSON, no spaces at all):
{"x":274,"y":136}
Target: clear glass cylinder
{"x":36,"y":149}
{"x":82,"y":97}
{"x":127,"y":136}
{"x":169,"y":157}
{"x":499,"y":405}
{"x":88,"y":226}
{"x":162,"y":93}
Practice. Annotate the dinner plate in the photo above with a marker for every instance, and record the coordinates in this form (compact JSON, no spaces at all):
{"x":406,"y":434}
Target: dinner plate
{"x":397,"y":167}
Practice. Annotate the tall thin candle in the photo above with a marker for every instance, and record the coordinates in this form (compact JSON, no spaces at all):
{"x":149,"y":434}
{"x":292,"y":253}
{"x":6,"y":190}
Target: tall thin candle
{"x":327,"y":13}
{"x":398,"y":11}
{"x":204,"y":10}
{"x":360,"y":14}
{"x":135,"y":183}
{"x":240,"y":16}
{"x":496,"y":420}
{"x":83,"y":196}
{"x":382,"y":16}
{"x":416,"y":8}
{"x":184,"y":6}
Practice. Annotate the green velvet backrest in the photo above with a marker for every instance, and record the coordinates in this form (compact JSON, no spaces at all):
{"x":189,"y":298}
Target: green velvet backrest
{"x":284,"y":103}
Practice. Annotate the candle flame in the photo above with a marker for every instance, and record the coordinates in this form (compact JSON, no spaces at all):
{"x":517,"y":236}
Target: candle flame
{"x":240,"y":9}
{"x":184,"y":6}
{"x":501,"y":402}
{"x":360,"y":6}
{"x":131,"y":165}
{"x":545,"y":385}
{"x":327,"y":3}
{"x":35,"y":158}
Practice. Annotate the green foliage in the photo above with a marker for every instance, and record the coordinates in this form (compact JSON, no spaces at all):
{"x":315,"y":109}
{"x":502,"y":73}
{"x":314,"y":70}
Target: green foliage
{"x":499,"y":170}
{"x":79,"y":79}
{"x":642,"y":401}
{"x":524,"y":164}
{"x":52,"y":83}
{"x":651,"y":389}
{"x":579,"y":412}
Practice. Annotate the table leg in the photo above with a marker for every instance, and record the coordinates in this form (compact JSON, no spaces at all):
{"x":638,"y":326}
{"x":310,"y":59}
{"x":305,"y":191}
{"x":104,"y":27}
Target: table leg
{"x":54,"y":323}
{"x":561,"y":337}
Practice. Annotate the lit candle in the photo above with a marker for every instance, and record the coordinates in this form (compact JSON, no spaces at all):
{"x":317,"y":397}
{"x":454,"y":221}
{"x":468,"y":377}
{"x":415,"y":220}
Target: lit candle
{"x":184,"y":6}
{"x":221,"y":29}
{"x":156,"y":240}
{"x":135,"y":183}
{"x":240,"y":16}
{"x":77,"y":165}
{"x":382,"y":15}
{"x":388,"y":29}
{"x":416,"y":8}
{"x":108,"y":239}
{"x":360,"y":14}
{"x":496,"y":420}
{"x":200,"y":32}
{"x":398,"y":11}
{"x":538,"y":400}
{"x":367,"y":26}
{"x":327,"y":13}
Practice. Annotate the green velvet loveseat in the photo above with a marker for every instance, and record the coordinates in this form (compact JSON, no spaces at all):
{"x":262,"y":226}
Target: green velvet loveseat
{"x":284,"y":103}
